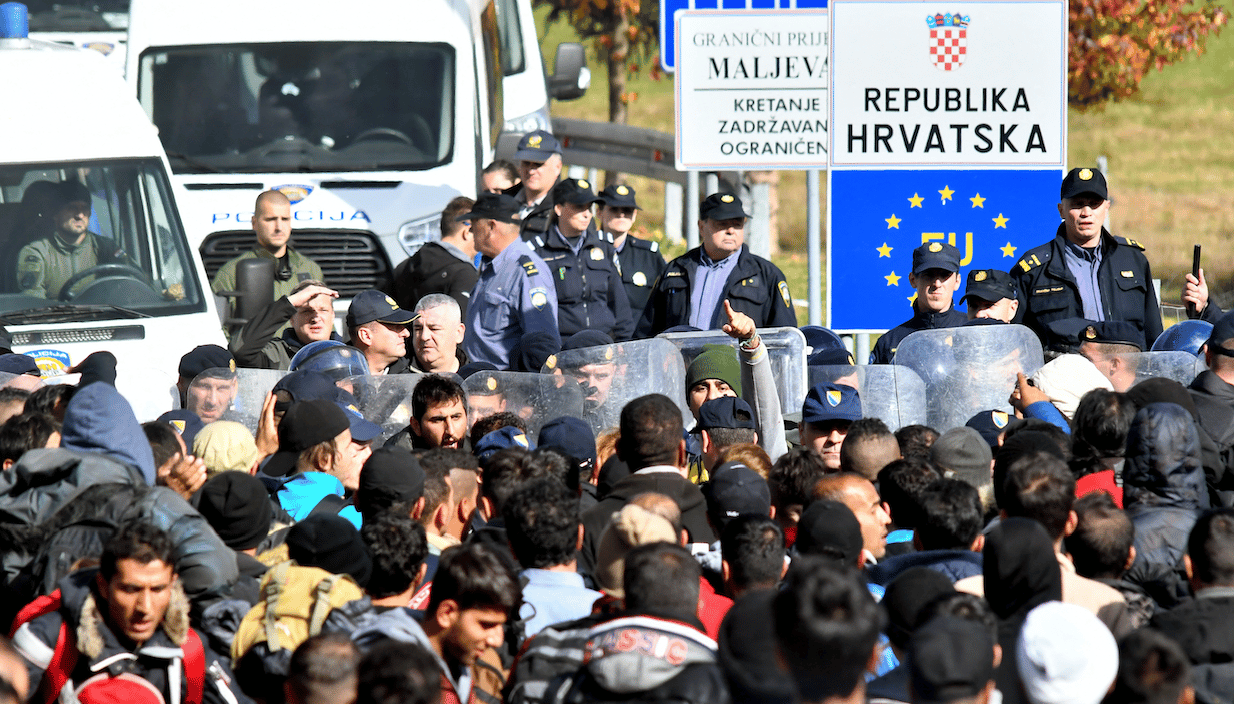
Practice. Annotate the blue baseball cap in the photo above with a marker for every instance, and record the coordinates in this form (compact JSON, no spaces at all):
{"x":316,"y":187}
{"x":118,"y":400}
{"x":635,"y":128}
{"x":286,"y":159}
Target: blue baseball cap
{"x":372,"y":305}
{"x":725,"y":412}
{"x":572,"y":436}
{"x":828,"y":401}
{"x":185,"y":422}
{"x":502,"y":439}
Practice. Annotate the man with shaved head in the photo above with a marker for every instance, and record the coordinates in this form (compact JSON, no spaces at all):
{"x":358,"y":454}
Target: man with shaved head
{"x":859,"y":494}
{"x":272,"y":227}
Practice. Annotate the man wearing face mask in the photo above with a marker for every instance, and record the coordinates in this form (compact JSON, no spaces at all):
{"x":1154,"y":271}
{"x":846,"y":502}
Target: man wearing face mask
{"x":936,"y":267}
{"x":580,"y":261}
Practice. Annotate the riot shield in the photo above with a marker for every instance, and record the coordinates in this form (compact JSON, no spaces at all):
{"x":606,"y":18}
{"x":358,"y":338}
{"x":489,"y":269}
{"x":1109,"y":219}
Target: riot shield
{"x":786,"y":347}
{"x":536,"y":398}
{"x":1180,"y":366}
{"x":969,"y":369}
{"x":384,"y":400}
{"x":894,"y":394}
{"x":610,"y":376}
{"x":223,"y":394}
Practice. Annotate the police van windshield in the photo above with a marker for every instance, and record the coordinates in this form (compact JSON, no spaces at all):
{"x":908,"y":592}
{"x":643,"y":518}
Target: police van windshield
{"x":91,"y":240}
{"x":322,"y":106}
{"x":78,"y":15}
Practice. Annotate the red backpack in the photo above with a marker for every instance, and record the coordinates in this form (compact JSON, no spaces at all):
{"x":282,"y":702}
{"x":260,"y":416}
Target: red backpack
{"x":59,"y":670}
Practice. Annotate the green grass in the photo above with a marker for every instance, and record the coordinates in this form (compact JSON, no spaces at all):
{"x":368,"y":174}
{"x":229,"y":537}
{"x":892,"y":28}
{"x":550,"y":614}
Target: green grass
{"x":1170,"y":151}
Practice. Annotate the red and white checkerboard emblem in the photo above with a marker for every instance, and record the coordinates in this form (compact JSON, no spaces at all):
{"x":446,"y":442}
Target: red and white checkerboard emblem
{"x":948,"y":47}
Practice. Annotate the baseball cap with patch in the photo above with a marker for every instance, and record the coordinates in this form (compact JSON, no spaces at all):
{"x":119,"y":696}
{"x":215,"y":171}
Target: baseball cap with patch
{"x":936,"y":255}
{"x":493,"y":206}
{"x":828,"y":401}
{"x":372,"y":305}
{"x":575,"y":191}
{"x":989,"y":285}
{"x":502,"y":439}
{"x":537,"y":146}
{"x":619,"y":196}
{"x":722,"y":206}
{"x":1079,"y":181}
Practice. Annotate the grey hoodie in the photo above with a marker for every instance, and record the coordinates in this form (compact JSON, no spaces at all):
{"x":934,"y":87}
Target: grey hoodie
{"x":401,"y":625}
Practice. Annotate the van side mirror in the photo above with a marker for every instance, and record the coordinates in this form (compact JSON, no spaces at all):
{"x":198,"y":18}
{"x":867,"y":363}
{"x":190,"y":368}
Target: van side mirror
{"x":254,"y":288}
{"x":571,"y":77}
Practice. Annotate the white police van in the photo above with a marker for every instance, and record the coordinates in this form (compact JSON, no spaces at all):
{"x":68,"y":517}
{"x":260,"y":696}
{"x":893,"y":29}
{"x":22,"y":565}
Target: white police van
{"x":72,"y":133}
{"x":370,"y":116}
{"x":100,"y":25}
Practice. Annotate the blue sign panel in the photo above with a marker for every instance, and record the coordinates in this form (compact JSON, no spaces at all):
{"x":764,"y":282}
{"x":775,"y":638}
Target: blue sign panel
{"x":669,"y":8}
{"x":879,"y":217}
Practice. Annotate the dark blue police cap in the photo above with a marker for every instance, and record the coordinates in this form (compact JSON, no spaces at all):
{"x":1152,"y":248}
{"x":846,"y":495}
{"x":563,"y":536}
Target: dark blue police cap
{"x":828,"y":401}
{"x":14,"y":363}
{"x":575,"y":191}
{"x":493,"y":206}
{"x":205,"y":357}
{"x":372,"y":305}
{"x":722,"y":206}
{"x":725,"y":412}
{"x":989,"y":285}
{"x":1079,"y":181}
{"x":1113,"y":332}
{"x":936,"y":255}
{"x":537,"y":146}
{"x":619,"y":196}
{"x":571,"y":435}
{"x":185,"y":422}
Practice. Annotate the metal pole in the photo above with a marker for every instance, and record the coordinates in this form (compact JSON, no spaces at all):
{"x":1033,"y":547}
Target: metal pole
{"x":691,"y":224}
{"x":863,"y":348}
{"x":593,"y":175}
{"x":759,"y":231}
{"x":713,"y":183}
{"x":814,"y":239}
{"x":672,"y":212}
{"x":576,"y":172}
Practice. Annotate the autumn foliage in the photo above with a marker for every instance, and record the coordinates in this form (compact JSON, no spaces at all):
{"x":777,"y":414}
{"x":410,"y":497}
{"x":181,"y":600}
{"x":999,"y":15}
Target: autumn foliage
{"x":1115,"y":42}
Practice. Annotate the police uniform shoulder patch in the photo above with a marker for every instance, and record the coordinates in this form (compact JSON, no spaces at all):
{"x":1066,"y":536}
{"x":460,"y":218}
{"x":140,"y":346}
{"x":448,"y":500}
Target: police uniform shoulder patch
{"x":788,"y":300}
{"x":528,"y":266}
{"x":1130,"y":242}
{"x":539,"y":297}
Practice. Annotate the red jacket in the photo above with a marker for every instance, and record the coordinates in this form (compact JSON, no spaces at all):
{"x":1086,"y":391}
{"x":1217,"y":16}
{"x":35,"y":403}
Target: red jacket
{"x":712,"y":608}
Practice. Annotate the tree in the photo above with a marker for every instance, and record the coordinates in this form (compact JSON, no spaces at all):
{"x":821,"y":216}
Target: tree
{"x":624,"y":35}
{"x":1115,"y":42}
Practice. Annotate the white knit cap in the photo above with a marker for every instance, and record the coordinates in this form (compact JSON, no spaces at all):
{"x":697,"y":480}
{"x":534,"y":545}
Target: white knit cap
{"x":1065,"y":655}
{"x":1066,"y":379}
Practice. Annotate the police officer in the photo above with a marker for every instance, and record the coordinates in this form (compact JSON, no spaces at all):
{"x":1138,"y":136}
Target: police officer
{"x":45,"y":265}
{"x":638,"y":261}
{"x":514,"y":294}
{"x":539,"y":165}
{"x":589,"y":291}
{"x":990,"y":294}
{"x":936,"y":276}
{"x":1085,"y":272}
{"x":694,"y":286}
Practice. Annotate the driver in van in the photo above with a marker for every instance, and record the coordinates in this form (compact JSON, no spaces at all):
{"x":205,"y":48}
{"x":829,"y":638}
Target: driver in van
{"x":55,"y":257}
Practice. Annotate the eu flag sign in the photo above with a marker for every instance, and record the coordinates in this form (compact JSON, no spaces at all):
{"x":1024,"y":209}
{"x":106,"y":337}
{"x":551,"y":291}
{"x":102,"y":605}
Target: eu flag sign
{"x":879,"y":217}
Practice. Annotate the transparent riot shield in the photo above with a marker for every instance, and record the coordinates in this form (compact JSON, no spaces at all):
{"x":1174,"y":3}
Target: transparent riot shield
{"x":894,"y":394}
{"x":969,"y":369}
{"x":536,"y":398}
{"x":384,"y":400}
{"x":610,"y":376}
{"x":223,"y":394}
{"x":1182,"y":367}
{"x":786,"y":347}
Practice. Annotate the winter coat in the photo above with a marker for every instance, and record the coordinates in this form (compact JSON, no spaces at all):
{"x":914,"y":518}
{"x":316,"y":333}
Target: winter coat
{"x":1202,"y":627}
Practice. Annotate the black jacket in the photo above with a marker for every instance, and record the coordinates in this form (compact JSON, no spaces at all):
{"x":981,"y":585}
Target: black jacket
{"x":640,"y":264}
{"x":884,"y":351}
{"x":539,"y":220}
{"x":1202,"y":627}
{"x":1163,"y":491}
{"x":755,"y":287}
{"x":1048,"y":291}
{"x":589,"y":291}
{"x":432,"y":269}
{"x":1214,"y":403}
{"x":952,"y":564}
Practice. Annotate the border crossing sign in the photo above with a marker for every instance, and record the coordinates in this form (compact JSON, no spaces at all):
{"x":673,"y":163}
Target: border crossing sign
{"x":669,"y":8}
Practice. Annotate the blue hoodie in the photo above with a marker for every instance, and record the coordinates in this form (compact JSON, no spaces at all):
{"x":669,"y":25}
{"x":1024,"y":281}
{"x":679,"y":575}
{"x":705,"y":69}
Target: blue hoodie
{"x":98,"y":419}
{"x":301,"y":493}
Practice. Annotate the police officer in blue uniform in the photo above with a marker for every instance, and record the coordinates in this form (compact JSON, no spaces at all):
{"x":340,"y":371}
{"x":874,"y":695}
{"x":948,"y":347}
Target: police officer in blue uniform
{"x":1085,"y":272}
{"x":514,"y":294}
{"x":639,"y":261}
{"x":581,"y":263}
{"x":936,"y":276}
{"x":694,"y":286}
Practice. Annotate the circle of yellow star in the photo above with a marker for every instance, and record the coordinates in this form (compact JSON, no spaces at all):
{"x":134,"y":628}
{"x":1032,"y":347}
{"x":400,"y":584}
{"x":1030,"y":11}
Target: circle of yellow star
{"x":892,"y":279}
{"x":916,"y":201}
{"x":884,"y":251}
{"x":946,"y":193}
{"x":978,"y":201}
{"x":892,"y":221}
{"x":1008,"y":250}
{"x":1000,"y":221}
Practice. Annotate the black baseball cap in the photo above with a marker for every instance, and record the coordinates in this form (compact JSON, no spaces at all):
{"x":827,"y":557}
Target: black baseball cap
{"x":949,"y":659}
{"x":619,"y":196}
{"x":304,"y":385}
{"x":575,"y":191}
{"x":1113,"y":332}
{"x":989,"y":285}
{"x":204,"y":357}
{"x":537,"y":146}
{"x":16,"y":363}
{"x":936,"y":255}
{"x":733,"y":490}
{"x":725,"y":412}
{"x":1079,"y":181}
{"x":494,"y":206}
{"x":390,"y":475}
{"x":572,"y":436}
{"x":1223,"y":330}
{"x":372,"y":305}
{"x":829,"y":529}
{"x":305,"y":424}
{"x":722,"y":206}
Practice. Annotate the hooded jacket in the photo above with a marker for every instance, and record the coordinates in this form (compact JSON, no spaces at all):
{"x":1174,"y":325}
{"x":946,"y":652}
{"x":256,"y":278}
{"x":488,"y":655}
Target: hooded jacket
{"x":1163,"y":491}
{"x":645,"y":659}
{"x":158,"y":660}
{"x":671,"y":484}
{"x":98,"y":419}
{"x":400,"y":625}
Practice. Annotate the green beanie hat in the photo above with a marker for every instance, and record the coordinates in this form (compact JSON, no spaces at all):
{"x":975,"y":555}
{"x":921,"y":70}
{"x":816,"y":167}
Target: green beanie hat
{"x":715,"y":362}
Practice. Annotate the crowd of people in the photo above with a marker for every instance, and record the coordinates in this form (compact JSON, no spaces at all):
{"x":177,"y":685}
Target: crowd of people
{"x":1075,"y":545}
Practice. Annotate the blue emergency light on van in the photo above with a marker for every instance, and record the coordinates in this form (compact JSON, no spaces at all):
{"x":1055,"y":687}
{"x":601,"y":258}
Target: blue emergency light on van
{"x":14,"y":21}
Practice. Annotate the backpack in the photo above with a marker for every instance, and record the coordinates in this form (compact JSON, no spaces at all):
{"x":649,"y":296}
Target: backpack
{"x":103,"y":686}
{"x":295,"y":602}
